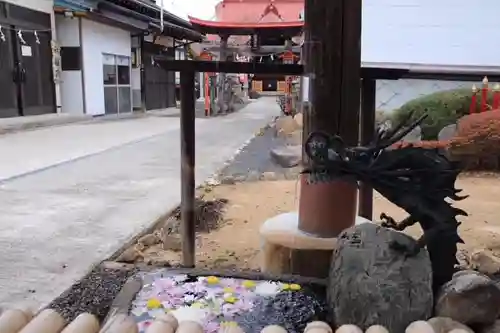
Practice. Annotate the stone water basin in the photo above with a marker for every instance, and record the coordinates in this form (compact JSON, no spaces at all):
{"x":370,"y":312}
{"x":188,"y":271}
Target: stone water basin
{"x":214,"y":300}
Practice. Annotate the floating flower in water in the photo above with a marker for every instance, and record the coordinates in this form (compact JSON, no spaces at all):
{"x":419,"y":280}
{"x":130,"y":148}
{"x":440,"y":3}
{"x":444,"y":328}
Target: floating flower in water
{"x":285,"y":286}
{"x":249,"y":284}
{"x":230,"y":299}
{"x":180,"y":278}
{"x":186,"y":313}
{"x":198,"y":305}
{"x":229,"y":290}
{"x":212,"y":280}
{"x":189,"y":298}
{"x":154,"y":303}
{"x":228,"y":324}
{"x":267,"y":289}
{"x":295,"y":287}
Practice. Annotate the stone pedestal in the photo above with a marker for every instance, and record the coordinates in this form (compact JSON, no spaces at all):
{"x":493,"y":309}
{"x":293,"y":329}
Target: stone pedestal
{"x":281,"y":236}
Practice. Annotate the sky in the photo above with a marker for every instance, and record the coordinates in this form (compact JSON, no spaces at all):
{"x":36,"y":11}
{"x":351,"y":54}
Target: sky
{"x":203,"y":9}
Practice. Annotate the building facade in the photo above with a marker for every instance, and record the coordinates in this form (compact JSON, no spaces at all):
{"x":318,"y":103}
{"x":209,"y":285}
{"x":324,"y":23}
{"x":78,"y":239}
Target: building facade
{"x":26,"y":71}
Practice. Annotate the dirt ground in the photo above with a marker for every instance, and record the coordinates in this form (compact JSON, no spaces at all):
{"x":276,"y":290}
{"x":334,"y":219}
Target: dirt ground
{"x":236,"y":244}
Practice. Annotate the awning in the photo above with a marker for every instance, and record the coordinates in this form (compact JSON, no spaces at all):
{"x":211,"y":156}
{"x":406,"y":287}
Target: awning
{"x":76,"y":5}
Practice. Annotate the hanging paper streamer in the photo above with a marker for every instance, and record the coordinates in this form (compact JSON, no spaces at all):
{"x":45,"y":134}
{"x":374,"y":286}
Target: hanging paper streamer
{"x":37,"y":40}
{"x":20,"y":36}
{"x":2,"y":35}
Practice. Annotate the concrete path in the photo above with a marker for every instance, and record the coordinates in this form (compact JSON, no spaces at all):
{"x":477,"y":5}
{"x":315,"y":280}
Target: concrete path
{"x":59,"y":221}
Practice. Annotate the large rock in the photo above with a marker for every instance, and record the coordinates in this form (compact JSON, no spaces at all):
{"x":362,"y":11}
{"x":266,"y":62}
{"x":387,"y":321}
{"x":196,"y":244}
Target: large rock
{"x":447,"y":132}
{"x":446,"y":325}
{"x":287,"y":156}
{"x":372,"y":283}
{"x":470,"y":298}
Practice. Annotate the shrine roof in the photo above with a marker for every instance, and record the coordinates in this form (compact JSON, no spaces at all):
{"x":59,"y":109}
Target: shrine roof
{"x":244,"y":28}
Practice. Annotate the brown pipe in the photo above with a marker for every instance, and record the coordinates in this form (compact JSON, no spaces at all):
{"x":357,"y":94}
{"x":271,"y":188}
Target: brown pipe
{"x":318,"y":327}
{"x":326,"y":209}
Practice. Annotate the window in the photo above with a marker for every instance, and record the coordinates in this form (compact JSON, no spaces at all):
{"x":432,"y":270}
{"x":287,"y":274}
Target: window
{"x":116,"y":80}
{"x":70,"y":58}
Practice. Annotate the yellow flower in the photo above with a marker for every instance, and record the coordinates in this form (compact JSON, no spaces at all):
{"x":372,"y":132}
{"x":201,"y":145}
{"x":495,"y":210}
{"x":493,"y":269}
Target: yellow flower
{"x":229,"y":323}
{"x":197,"y":305}
{"x":228,"y":290}
{"x":248,"y":284}
{"x":295,"y":287}
{"x":212,"y":280}
{"x":285,"y":286}
{"x":154,"y":303}
{"x":230,"y":299}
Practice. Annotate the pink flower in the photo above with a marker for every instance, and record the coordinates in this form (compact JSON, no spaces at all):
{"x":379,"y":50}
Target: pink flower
{"x":211,"y":327}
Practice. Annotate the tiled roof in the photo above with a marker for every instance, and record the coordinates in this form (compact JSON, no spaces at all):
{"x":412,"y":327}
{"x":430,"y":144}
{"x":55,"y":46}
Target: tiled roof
{"x":249,"y":11}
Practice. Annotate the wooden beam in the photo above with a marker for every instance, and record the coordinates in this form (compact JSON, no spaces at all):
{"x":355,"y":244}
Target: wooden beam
{"x":367,"y":131}
{"x":266,"y":68}
{"x":187,"y":120}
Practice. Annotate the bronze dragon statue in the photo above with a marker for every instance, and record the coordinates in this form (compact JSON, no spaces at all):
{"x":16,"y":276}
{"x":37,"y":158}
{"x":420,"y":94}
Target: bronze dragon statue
{"x":419,"y":180}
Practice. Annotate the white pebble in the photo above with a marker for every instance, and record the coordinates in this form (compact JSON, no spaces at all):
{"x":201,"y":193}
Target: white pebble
{"x":377,"y":329}
{"x":318,"y":327}
{"x":419,"y":326}
{"x":273,"y":329}
{"x":348,"y":329}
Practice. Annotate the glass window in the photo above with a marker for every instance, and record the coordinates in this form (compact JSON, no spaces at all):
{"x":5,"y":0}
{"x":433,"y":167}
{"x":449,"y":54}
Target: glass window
{"x":109,"y":74}
{"x":123,"y":74}
{"x":110,"y":100}
{"x":124,"y":99}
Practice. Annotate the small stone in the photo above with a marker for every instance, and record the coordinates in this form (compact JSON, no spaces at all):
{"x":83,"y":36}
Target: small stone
{"x":376,"y":329}
{"x":228,"y":180}
{"x":240,"y":179}
{"x":348,"y":329}
{"x":288,"y":156}
{"x":294,"y":138}
{"x":484,"y":261}
{"x":419,"y":326}
{"x":470,"y":298}
{"x":268,"y":176}
{"x":495,"y":328}
{"x":273,"y":329}
{"x":253,"y":176}
{"x":445,"y":325}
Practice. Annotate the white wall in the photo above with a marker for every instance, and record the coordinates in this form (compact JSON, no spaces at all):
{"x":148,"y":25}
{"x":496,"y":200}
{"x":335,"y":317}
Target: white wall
{"x":97,"y":39}
{"x":431,"y":32}
{"x":71,"y":81}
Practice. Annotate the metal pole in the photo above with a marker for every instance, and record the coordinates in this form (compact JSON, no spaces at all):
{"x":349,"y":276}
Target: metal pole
{"x":143,"y":74}
{"x":367,"y":131}
{"x":187,"y":168}
{"x":161,"y":15}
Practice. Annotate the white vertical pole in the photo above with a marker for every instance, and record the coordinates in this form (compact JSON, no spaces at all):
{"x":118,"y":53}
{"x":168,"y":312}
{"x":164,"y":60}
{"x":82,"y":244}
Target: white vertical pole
{"x":161,"y":15}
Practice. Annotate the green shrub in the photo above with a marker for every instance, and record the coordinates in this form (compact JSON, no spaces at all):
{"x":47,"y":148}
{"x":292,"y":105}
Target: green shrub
{"x":443,"y":108}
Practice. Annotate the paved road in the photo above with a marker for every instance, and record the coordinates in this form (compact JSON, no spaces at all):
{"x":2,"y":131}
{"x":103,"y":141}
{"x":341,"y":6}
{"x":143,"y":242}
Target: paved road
{"x":59,"y":221}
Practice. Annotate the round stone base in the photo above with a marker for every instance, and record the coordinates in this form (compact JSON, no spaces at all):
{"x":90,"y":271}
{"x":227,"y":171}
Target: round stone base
{"x":281,"y":235}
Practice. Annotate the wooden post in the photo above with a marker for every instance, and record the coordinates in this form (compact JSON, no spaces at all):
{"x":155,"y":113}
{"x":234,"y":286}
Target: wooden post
{"x":367,"y":119}
{"x":221,"y":102}
{"x":333,"y":31}
{"x":187,"y":167}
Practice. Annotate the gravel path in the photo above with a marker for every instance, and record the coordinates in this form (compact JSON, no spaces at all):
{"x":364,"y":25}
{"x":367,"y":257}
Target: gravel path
{"x":254,"y":162}
{"x":94,"y":293}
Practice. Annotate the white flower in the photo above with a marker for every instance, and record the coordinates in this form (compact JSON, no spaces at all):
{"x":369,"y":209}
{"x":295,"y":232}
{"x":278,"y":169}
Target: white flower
{"x":186,"y":313}
{"x":180,"y":278}
{"x":189,"y":298}
{"x":267,"y":289}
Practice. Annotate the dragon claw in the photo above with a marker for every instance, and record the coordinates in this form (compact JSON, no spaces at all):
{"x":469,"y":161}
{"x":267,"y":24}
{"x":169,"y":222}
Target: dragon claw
{"x":387,"y":221}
